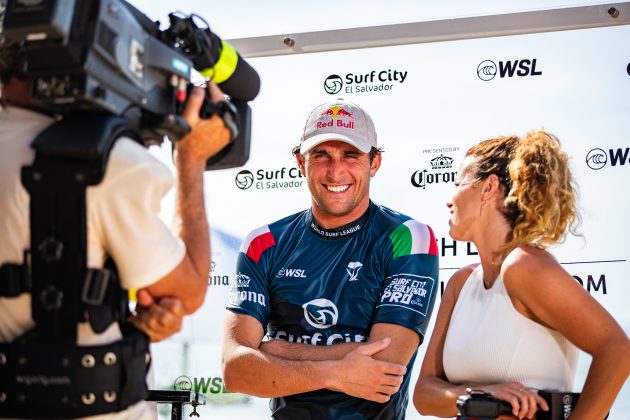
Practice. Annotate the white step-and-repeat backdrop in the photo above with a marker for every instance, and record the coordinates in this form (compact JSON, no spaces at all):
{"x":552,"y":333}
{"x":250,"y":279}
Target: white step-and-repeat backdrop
{"x":429,"y":102}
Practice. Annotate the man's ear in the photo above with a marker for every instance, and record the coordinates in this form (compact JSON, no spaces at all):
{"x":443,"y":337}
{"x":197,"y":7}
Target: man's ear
{"x":375,"y":164}
{"x":299,"y":158}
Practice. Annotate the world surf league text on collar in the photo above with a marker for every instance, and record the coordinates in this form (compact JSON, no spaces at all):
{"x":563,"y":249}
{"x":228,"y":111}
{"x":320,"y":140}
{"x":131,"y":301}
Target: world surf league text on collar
{"x":341,"y":231}
{"x":335,"y":233}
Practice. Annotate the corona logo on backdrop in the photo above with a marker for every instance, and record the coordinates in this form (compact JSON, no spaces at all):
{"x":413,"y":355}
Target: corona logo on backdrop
{"x":442,"y":162}
{"x":439,"y":173}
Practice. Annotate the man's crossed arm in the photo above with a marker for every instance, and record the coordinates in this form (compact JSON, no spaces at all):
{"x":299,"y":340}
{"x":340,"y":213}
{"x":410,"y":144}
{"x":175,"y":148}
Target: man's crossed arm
{"x":372,"y":371}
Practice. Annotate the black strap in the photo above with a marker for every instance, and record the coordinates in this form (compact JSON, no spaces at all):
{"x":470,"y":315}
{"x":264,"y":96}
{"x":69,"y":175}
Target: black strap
{"x":67,"y":381}
{"x":70,"y":156}
{"x":13,"y":280}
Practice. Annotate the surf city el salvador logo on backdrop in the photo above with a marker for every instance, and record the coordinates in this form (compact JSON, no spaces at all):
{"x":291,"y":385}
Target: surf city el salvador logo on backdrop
{"x":372,"y":81}
{"x":269,"y":179}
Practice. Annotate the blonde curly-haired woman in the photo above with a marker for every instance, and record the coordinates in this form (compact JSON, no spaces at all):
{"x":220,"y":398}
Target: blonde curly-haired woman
{"x":513,"y":324}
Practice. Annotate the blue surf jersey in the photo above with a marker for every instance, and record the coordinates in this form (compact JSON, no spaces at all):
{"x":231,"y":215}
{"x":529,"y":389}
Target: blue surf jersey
{"x":310,"y":285}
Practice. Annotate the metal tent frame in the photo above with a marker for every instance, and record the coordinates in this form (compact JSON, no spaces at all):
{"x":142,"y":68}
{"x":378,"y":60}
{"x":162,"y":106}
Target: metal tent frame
{"x":520,"y":23}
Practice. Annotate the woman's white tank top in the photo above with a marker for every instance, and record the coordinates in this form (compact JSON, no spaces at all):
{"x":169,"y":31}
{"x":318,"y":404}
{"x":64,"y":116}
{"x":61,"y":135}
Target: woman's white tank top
{"x":489,"y":341}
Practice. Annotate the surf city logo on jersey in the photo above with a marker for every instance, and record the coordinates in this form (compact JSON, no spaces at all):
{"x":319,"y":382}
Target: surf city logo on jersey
{"x":353,"y":270}
{"x":321,"y":313}
{"x":412,"y":291}
{"x":269,"y":179}
{"x":370,"y":82}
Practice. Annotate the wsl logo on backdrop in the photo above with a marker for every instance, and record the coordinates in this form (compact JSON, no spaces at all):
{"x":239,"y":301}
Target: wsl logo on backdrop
{"x":488,"y":70}
{"x":321,"y":313}
{"x":183,"y":383}
{"x":596,"y":159}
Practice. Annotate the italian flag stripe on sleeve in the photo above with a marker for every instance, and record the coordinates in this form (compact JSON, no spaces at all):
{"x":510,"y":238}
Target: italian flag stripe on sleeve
{"x":413,"y":237}
{"x":257,"y":242}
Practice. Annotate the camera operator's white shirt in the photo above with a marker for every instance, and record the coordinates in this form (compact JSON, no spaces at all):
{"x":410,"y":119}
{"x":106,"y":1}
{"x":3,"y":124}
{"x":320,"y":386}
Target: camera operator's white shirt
{"x":122,"y":222}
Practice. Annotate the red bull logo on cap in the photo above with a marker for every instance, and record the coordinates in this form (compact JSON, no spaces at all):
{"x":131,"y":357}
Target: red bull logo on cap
{"x":338,"y":115}
{"x":336,"y":112}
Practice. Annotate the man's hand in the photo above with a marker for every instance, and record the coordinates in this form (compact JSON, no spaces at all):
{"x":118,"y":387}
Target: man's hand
{"x":159,"y":318}
{"x":359,"y":375}
{"x":207,"y":136}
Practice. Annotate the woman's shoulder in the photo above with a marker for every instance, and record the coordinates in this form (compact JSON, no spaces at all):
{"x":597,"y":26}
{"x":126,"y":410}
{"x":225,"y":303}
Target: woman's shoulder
{"x":531,"y":270}
{"x":458,"y":279}
{"x":527,"y":259}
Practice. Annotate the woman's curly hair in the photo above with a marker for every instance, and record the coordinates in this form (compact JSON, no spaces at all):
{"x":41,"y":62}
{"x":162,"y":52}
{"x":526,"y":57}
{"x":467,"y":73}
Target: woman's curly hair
{"x":540,"y":194}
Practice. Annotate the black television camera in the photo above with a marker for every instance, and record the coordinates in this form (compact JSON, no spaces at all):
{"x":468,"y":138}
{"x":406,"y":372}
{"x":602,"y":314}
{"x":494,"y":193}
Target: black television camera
{"x":106,"y":56}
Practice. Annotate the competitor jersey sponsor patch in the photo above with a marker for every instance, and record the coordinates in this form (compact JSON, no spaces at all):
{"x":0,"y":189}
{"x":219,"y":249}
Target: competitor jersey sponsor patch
{"x":408,"y":291}
{"x":257,"y":242}
{"x":413,"y":237}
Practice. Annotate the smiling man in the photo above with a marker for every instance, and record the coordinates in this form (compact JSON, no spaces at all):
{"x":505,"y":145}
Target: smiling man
{"x":313,"y":288}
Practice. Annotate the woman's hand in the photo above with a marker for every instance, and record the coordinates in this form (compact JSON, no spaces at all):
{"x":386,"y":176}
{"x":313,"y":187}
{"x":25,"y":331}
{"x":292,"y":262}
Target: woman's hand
{"x":524,"y":401}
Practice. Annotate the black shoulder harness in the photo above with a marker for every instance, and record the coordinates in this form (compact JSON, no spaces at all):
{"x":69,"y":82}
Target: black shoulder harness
{"x":44,"y":373}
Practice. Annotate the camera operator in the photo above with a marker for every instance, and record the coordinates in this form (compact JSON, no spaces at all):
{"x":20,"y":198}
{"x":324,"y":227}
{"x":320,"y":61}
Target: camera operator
{"x":170,"y":271}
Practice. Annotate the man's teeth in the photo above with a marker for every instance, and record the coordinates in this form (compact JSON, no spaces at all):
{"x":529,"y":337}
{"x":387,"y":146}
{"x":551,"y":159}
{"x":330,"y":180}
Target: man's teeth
{"x":339,"y":188}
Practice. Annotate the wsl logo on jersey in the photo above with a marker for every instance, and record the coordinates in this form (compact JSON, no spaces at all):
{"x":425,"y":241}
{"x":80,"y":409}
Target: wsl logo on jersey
{"x":291,"y":272}
{"x":321,"y":313}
